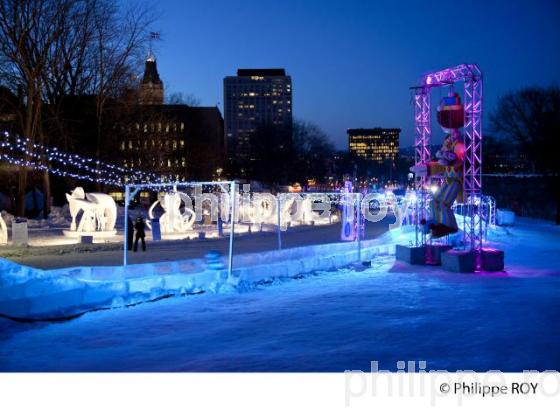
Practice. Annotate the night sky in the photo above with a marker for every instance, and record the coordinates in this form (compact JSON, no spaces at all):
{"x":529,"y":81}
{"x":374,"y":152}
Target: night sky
{"x":352,"y":62}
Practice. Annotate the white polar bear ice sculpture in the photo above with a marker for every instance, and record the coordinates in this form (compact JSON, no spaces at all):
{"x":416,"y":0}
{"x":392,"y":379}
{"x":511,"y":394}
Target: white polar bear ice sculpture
{"x":99,"y":213}
{"x":173,"y":219}
{"x":3,"y":232}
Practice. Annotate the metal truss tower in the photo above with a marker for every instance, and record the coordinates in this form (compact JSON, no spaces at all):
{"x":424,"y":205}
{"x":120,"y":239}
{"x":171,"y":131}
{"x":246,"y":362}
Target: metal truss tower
{"x":471,"y":77}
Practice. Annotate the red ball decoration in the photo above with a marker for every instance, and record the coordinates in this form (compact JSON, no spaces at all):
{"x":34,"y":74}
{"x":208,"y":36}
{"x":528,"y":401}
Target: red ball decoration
{"x":451,"y":113}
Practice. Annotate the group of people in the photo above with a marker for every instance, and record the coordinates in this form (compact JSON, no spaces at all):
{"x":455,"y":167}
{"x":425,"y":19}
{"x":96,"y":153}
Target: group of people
{"x":136,"y":232}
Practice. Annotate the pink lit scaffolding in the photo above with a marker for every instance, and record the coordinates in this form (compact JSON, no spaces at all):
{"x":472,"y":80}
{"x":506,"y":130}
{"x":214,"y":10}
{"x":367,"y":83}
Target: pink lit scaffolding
{"x":471,"y":77}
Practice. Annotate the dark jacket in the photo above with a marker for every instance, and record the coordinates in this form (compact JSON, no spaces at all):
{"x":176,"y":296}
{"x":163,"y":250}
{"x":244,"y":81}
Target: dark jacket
{"x":140,"y":227}
{"x":130,"y":228}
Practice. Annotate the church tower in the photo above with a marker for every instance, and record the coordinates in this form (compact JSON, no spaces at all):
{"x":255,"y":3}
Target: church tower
{"x":151,"y":87}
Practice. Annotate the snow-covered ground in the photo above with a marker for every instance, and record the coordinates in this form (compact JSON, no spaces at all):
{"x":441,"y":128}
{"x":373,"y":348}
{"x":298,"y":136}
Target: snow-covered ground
{"x":327,"y":321}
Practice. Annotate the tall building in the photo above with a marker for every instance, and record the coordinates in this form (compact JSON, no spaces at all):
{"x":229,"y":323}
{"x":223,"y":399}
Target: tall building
{"x":255,"y":99}
{"x":374,"y":144}
{"x":175,"y":141}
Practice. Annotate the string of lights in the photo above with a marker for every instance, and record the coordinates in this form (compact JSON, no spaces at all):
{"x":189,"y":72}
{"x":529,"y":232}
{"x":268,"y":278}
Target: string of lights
{"x":45,"y":154}
{"x":40,"y":158}
{"x":42,"y":167}
{"x":21,"y":152}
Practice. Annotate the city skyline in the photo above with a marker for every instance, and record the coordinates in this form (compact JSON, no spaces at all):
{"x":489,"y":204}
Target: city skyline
{"x":366,"y":85}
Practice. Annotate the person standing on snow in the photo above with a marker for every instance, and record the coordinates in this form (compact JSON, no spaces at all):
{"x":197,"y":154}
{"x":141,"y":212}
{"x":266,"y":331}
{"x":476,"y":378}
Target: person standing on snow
{"x":140,"y":228}
{"x":130,"y":234}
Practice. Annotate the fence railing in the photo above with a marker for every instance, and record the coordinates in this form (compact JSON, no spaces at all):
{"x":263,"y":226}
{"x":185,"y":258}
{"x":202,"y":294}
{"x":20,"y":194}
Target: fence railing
{"x":252,"y":222}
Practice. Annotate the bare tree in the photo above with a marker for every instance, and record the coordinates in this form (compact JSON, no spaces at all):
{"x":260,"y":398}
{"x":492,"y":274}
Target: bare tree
{"x":183,"y":98}
{"x":313,"y":151}
{"x":28,"y":31}
{"x":120,"y":39}
{"x":530,"y":121}
{"x":52,"y":49}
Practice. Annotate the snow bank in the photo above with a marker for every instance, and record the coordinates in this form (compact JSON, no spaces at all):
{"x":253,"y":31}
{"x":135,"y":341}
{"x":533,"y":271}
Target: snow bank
{"x":291,"y":262}
{"x":58,"y":218}
{"x":34,"y":294}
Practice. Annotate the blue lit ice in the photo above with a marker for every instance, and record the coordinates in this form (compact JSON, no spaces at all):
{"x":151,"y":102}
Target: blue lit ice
{"x":328,"y":321}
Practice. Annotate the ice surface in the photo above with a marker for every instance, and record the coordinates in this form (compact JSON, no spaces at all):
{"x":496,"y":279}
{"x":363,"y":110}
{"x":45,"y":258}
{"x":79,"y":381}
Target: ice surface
{"x":326,"y":321}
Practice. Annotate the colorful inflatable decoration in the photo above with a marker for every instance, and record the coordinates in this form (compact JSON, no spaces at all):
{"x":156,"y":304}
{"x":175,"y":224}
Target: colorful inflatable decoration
{"x":448,"y":165}
{"x":451,"y":113}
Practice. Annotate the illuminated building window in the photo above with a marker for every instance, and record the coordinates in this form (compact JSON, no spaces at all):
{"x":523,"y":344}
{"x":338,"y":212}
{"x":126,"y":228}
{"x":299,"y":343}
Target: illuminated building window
{"x":374,"y":144}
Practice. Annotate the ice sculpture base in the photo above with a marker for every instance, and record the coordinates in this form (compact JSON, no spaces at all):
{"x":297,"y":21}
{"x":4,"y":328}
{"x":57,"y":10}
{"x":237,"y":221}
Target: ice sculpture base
{"x":96,"y":235}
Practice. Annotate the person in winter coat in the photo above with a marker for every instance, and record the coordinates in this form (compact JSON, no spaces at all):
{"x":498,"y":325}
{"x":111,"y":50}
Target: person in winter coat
{"x":130,"y":234}
{"x":140,"y":228}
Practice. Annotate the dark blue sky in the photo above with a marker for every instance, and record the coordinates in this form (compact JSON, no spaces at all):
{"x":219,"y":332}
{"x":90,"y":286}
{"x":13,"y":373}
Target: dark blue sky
{"x":352,"y":62}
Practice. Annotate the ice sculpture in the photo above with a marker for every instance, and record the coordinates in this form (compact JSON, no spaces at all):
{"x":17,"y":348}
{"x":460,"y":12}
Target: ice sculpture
{"x":173,"y":219}
{"x":3,"y":232}
{"x":98,"y":213}
{"x":349,"y":230}
{"x":260,"y":210}
{"x":301,"y":210}
{"x":295,"y":210}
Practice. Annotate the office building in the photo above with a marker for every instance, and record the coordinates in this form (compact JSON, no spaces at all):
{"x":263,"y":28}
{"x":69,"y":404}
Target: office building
{"x":255,"y":100}
{"x":374,"y":144}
